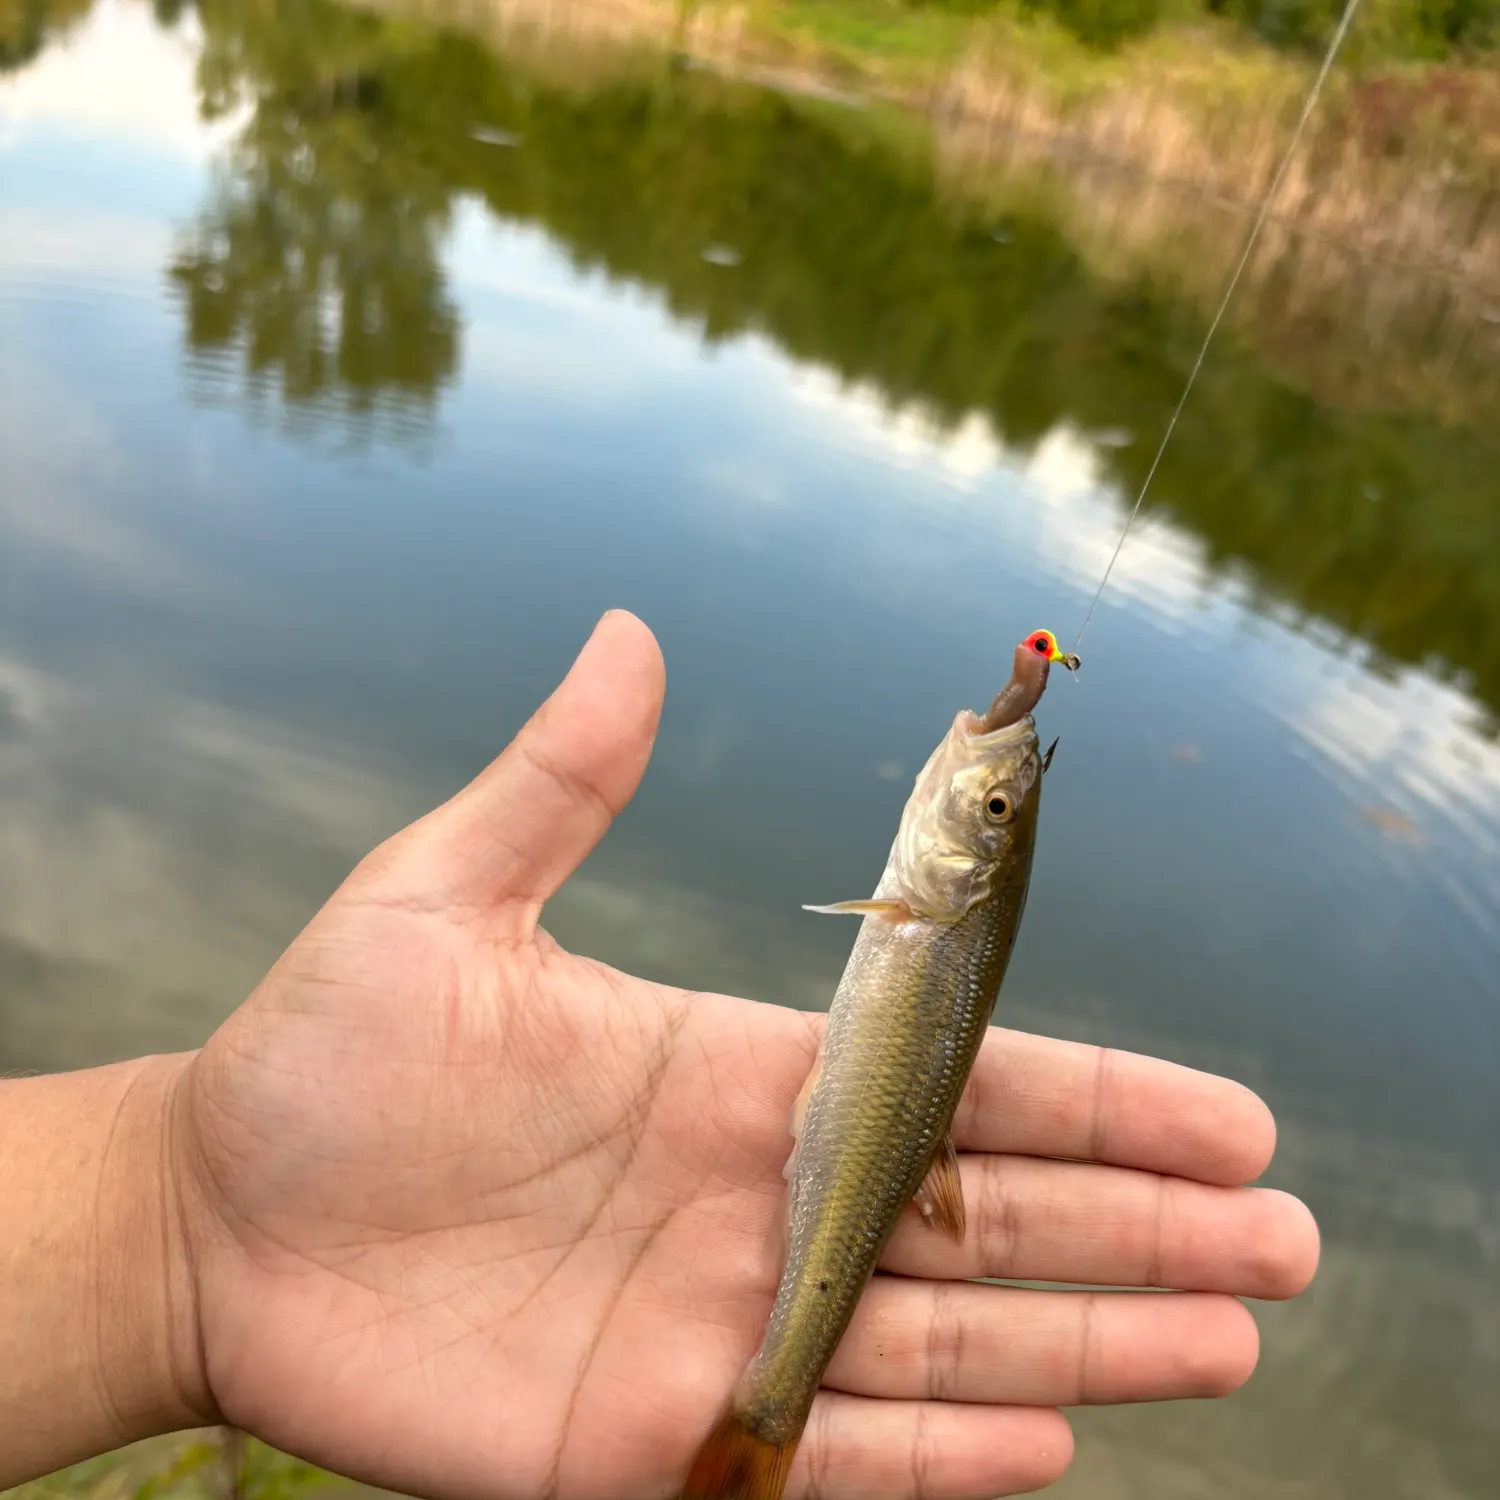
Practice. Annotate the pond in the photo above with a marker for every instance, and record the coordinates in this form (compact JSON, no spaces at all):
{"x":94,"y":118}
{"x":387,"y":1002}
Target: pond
{"x":351,"y":367}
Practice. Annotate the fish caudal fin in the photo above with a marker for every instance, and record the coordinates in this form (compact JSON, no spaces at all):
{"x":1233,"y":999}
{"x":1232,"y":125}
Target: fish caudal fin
{"x":734,"y":1464}
{"x":941,"y":1196}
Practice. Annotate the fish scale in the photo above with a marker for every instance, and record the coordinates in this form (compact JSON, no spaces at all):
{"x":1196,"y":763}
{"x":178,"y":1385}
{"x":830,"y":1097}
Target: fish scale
{"x":904,"y":1030}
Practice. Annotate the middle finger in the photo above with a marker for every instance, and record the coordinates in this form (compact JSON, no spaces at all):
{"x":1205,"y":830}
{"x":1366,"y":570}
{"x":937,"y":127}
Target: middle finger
{"x":1032,"y":1219}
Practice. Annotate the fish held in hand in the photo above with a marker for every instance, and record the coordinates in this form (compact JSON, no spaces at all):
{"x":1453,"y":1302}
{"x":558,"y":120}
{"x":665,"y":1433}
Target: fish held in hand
{"x":871,"y":1125}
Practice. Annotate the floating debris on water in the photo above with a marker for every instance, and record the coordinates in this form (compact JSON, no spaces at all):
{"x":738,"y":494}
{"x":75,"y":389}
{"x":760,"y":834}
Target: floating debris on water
{"x":722,"y":255}
{"x":1394,"y":824}
{"x":489,"y":136}
{"x":1112,"y":437}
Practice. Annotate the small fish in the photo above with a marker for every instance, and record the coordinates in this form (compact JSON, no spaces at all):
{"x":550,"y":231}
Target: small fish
{"x":871,"y":1125}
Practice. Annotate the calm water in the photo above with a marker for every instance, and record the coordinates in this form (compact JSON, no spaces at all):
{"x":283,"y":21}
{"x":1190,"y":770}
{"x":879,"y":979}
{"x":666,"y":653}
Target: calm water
{"x":349,"y":371}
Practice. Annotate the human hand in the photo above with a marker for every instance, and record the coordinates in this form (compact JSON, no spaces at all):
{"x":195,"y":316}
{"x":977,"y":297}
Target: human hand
{"x":468,"y":1215}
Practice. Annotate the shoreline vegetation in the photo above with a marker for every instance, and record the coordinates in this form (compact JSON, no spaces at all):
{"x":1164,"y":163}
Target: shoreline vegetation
{"x":208,"y":1463}
{"x":1151,"y":156}
{"x":1400,"y":165}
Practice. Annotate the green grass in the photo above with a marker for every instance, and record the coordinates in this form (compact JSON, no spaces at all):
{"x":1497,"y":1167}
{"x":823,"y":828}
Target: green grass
{"x":889,"y":41}
{"x":1210,"y":71}
{"x":878,"y":32}
{"x":189,"y":1466}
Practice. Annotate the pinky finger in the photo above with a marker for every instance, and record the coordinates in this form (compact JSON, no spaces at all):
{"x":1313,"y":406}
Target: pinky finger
{"x":856,"y":1448}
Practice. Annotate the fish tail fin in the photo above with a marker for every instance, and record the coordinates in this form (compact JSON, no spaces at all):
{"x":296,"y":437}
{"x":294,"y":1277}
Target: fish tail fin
{"x":735,"y":1464}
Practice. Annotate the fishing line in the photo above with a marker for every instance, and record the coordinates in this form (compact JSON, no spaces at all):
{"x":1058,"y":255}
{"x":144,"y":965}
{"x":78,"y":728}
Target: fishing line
{"x":1340,"y":31}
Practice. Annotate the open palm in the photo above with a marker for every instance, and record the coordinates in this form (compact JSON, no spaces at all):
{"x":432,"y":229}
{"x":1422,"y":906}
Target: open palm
{"x":473,"y":1216}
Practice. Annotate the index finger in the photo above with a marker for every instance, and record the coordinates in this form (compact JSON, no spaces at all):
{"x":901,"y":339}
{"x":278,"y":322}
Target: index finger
{"x":1036,"y":1096}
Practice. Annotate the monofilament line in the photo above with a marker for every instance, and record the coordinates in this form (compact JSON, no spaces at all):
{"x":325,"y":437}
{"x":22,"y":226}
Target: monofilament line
{"x":1337,"y":41}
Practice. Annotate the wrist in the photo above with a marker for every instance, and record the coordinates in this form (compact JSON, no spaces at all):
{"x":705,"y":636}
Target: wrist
{"x":151,"y":1356}
{"x":99,"y":1345}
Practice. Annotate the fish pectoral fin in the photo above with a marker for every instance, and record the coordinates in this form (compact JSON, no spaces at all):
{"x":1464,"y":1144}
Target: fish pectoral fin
{"x":941,"y":1196}
{"x":799,"y":1114}
{"x":874,"y":906}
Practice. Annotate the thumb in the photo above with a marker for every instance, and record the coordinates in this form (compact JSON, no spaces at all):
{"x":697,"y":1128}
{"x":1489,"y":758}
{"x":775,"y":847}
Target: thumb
{"x":520,"y":828}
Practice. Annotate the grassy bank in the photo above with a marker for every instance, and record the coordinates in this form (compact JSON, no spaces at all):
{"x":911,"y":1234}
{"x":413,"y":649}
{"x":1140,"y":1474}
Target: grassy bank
{"x":1385,"y":99}
{"x":1402,"y":159}
{"x":1400,"y":166}
{"x":211,"y":1464}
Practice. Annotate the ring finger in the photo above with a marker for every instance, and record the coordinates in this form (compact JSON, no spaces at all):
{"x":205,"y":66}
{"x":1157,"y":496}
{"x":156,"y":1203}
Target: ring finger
{"x":946,"y":1341}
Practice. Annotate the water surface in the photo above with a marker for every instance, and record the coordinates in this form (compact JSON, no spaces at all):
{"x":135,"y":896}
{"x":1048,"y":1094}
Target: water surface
{"x":349,"y":370}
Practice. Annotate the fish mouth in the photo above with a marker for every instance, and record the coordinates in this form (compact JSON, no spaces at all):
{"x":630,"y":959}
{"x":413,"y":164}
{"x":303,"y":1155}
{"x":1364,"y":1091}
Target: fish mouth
{"x":984,"y":736}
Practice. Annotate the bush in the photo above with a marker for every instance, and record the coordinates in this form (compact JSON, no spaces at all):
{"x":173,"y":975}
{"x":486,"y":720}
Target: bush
{"x":1406,"y":29}
{"x":1383,"y":29}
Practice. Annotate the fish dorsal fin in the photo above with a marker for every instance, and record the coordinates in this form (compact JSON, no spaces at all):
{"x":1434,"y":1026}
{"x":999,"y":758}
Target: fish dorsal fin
{"x":941,"y":1196}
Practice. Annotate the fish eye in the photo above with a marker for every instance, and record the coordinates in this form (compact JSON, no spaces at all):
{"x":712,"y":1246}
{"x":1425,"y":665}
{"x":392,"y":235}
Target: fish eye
{"x":998,"y":806}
